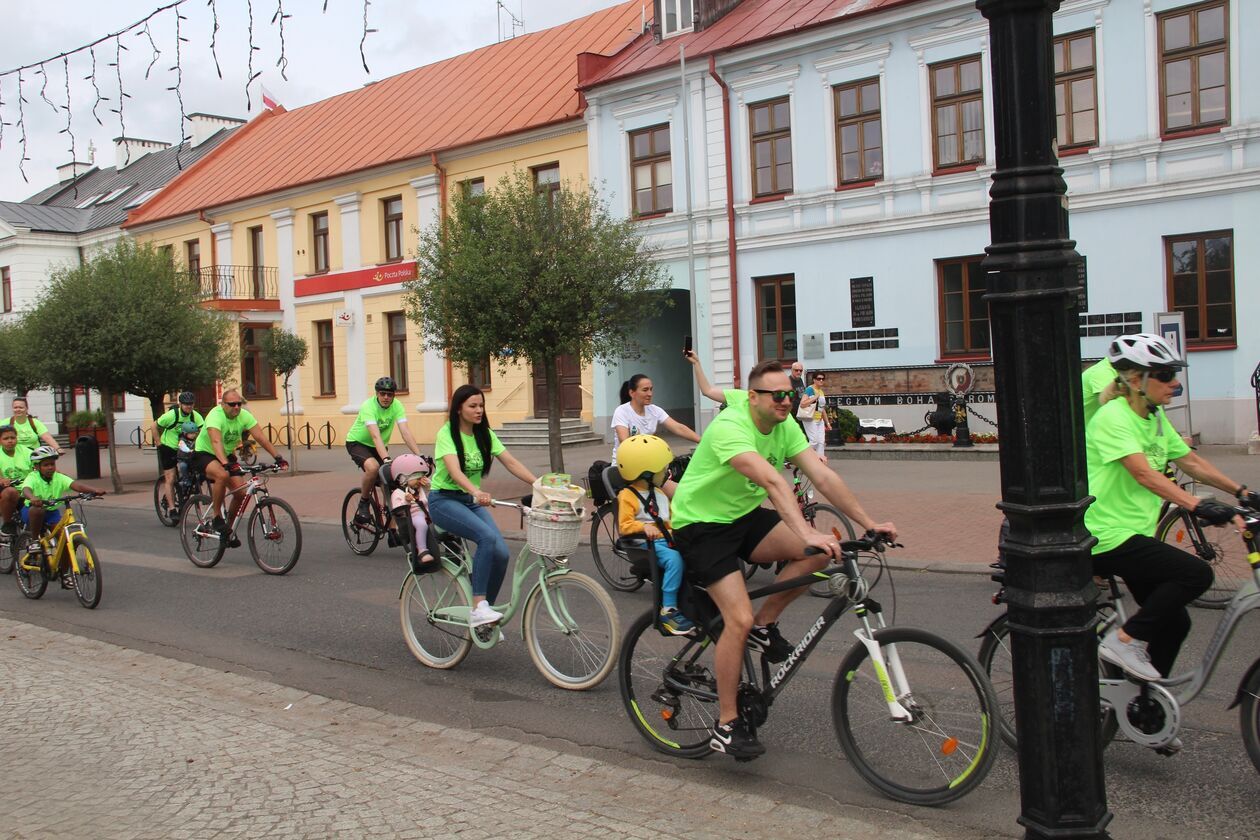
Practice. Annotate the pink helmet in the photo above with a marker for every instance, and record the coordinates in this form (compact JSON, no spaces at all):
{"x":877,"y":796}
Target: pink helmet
{"x":407,"y":465}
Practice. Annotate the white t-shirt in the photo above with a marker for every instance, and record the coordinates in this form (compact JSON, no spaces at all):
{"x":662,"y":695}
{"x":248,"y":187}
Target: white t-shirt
{"x":638,"y":424}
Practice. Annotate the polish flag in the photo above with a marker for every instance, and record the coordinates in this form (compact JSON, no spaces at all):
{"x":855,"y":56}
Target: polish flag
{"x":269,"y":101}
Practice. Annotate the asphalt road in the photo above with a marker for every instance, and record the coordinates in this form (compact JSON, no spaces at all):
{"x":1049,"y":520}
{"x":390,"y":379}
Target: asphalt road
{"x":331,"y":626}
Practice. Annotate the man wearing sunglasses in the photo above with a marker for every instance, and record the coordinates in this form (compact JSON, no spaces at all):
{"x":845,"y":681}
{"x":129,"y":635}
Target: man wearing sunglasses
{"x":1128,"y":444}
{"x":718,"y":519}
{"x":225,"y":425}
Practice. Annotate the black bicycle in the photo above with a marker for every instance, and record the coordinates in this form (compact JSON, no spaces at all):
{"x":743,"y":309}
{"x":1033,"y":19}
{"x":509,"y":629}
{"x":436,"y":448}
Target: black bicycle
{"x":913,"y":711}
{"x":187,"y":485}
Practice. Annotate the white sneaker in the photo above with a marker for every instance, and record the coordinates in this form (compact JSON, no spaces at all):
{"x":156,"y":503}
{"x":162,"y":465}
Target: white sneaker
{"x":483,"y":613}
{"x":1131,"y":656}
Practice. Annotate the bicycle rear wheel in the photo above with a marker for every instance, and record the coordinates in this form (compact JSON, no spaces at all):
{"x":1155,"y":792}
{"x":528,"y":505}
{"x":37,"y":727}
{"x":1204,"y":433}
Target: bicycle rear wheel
{"x":669,"y":688}
{"x":204,"y":550}
{"x":571,"y":630}
{"x":947,"y":747}
{"x":362,"y":538}
{"x":1227,"y":559}
{"x":87,"y":580}
{"x":275,"y":536}
{"x":31,"y":580}
{"x":160,"y":507}
{"x":437,"y":644}
{"x":610,"y":561}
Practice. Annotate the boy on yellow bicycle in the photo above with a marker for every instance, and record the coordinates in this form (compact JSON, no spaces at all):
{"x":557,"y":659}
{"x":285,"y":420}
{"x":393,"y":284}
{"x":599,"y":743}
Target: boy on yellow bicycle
{"x":42,"y":488}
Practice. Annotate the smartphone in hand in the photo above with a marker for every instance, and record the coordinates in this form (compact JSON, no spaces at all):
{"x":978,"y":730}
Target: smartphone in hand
{"x":686,"y":345}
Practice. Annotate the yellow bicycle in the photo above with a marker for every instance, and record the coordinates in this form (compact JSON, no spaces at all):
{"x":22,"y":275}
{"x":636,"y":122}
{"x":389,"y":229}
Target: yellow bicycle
{"x":62,"y":549}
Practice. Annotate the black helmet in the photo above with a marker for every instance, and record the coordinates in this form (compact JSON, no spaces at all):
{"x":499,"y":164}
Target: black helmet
{"x":187,"y":398}
{"x":386,"y":383}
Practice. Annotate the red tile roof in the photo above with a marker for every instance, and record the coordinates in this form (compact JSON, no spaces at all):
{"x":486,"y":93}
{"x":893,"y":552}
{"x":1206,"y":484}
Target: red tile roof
{"x":749,"y":22}
{"x":524,"y":83}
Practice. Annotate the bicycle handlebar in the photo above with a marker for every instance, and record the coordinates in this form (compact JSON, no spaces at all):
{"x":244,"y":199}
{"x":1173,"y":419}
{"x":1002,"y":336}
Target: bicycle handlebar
{"x":77,"y":497}
{"x":259,"y":468}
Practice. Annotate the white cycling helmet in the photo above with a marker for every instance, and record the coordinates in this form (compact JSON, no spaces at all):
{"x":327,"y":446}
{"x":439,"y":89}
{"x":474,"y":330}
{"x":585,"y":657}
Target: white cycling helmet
{"x":43,"y":453}
{"x":1143,"y":351}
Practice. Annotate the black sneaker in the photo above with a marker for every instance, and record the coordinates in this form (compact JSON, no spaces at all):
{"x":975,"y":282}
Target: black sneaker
{"x":219,"y":525}
{"x":769,"y":642}
{"x":234,"y":541}
{"x":363,"y":516}
{"x":735,"y":740}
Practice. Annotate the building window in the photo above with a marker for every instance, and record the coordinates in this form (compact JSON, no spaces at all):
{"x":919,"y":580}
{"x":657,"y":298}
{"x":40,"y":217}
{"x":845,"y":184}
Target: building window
{"x":257,"y":275}
{"x":776,"y":318}
{"x":397,"y":325}
{"x":257,"y":378}
{"x":1201,"y":284}
{"x":392,"y":208}
{"x":1194,"y":67}
{"x":676,"y":16}
{"x":118,"y":402}
{"x":859,"y":136}
{"x":547,"y":181}
{"x":6,"y":289}
{"x":479,"y":374}
{"x":770,"y":131}
{"x":319,"y":242}
{"x":957,"y":113}
{"x":192,"y":249}
{"x":651,"y":171}
{"x":474,"y":188}
{"x":1075,"y":91}
{"x":327,"y":365}
{"x":961,"y":285}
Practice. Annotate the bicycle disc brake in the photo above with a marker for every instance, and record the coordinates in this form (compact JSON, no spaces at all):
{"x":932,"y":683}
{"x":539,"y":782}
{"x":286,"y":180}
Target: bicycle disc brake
{"x":1148,"y":715}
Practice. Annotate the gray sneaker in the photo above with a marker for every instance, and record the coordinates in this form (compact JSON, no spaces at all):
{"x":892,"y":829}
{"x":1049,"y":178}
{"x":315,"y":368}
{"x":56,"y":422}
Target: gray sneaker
{"x":1131,"y":656}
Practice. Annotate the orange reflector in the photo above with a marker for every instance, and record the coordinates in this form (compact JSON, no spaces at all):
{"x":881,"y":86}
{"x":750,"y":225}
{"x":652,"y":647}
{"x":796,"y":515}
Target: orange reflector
{"x":1181,"y":536}
{"x":949,"y":746}
{"x":667,"y":714}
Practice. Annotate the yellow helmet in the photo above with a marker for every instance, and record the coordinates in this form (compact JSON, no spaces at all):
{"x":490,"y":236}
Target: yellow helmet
{"x":642,"y":456}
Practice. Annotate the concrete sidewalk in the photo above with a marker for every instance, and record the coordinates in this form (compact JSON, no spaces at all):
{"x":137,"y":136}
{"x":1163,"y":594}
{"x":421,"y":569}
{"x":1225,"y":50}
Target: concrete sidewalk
{"x":128,"y":744}
{"x":945,"y":510}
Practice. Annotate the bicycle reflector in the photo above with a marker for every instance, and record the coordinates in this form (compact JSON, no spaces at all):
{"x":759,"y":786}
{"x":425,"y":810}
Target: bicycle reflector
{"x":949,"y":746}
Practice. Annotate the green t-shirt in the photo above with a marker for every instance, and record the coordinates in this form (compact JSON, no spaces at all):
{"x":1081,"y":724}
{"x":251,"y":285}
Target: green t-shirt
{"x":28,"y":433}
{"x":170,"y":424}
{"x":17,"y":466}
{"x":371,"y":413}
{"x":1122,"y":508}
{"x":47,"y":490}
{"x":474,"y":466}
{"x":230,"y":430}
{"x":1094,"y":379}
{"x":712,"y":490}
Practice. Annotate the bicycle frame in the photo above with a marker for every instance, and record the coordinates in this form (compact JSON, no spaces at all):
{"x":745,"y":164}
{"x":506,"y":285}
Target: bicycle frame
{"x":58,"y":543}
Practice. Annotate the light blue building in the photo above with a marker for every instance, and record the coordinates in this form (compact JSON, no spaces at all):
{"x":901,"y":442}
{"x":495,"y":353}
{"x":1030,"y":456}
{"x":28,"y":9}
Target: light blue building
{"x":855,"y":142}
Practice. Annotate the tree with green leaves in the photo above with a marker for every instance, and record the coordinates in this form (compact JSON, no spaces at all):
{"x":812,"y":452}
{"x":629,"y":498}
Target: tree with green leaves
{"x":519,"y":274}
{"x":285,"y":352}
{"x":128,"y":320}
{"x":19,"y":370}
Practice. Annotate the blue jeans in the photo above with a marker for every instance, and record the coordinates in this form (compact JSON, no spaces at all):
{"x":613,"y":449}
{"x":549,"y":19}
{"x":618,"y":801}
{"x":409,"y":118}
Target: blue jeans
{"x":458,"y":513}
{"x":671,"y":564}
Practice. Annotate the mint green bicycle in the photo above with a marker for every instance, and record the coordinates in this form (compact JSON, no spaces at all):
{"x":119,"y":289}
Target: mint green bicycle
{"x":571,"y":626}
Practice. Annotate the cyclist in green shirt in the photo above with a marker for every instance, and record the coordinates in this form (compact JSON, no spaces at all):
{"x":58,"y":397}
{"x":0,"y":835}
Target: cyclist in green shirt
{"x":718,"y":519}
{"x":15,"y":465}
{"x":42,"y":487}
{"x":172,"y":423}
{"x":368,"y":438}
{"x":31,"y":433}
{"x":225,"y":425}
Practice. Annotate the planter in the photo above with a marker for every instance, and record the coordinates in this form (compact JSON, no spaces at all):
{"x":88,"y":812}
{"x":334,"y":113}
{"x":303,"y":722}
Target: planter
{"x":834,"y":437}
{"x":100,"y":433}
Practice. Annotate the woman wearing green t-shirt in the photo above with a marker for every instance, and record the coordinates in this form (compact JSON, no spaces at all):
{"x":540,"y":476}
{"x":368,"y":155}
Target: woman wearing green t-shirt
{"x":463,"y":452}
{"x":31,"y":433}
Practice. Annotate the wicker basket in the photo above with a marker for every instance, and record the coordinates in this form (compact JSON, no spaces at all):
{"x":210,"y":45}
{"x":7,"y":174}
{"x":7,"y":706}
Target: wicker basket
{"x":553,"y":534}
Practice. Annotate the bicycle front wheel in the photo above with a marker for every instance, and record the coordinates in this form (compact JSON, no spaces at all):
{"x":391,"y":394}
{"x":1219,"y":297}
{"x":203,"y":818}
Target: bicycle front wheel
{"x":669,"y":688}
{"x":201,"y":547}
{"x":362,"y":538}
{"x":1227,"y":559}
{"x":86,"y":572}
{"x":160,"y":507}
{"x":571,"y":630}
{"x":8,"y":553}
{"x":825,"y":520}
{"x":610,"y":561}
{"x":28,"y":568}
{"x":275,"y":536}
{"x":946,"y":747}
{"x":432,"y":636}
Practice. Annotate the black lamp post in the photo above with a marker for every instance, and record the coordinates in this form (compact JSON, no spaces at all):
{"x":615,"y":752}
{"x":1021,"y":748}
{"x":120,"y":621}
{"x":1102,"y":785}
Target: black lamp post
{"x":1037,"y":362}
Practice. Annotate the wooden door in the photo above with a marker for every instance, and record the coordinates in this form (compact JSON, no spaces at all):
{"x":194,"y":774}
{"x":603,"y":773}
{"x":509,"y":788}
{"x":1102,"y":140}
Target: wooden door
{"x":569,"y":370}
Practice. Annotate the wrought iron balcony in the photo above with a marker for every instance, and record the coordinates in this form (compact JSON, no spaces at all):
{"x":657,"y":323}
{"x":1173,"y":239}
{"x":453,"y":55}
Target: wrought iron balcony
{"x":238,"y":282}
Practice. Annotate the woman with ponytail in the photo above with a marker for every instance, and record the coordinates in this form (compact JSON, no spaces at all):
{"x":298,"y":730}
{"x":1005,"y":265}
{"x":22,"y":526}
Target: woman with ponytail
{"x":638,"y":416}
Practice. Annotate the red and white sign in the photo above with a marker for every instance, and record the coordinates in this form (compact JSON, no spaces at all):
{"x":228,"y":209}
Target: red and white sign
{"x":364,"y":278}
{"x":343,"y":318}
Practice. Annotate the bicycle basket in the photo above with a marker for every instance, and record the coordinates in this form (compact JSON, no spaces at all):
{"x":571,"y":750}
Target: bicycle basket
{"x":553,"y":533}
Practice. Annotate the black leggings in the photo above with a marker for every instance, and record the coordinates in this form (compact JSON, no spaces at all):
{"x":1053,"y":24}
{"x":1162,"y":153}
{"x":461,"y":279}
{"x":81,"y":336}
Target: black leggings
{"x":1163,"y":580}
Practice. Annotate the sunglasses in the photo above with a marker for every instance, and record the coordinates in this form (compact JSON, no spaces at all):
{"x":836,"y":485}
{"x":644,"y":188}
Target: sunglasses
{"x":235,"y":404}
{"x":1164,"y":375}
{"x":777,"y":396}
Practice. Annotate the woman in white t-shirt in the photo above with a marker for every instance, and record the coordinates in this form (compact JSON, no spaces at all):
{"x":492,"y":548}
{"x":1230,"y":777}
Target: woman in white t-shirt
{"x":638,"y":416}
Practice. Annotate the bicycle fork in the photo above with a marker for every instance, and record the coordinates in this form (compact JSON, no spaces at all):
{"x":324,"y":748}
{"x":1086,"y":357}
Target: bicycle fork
{"x":885,"y":660}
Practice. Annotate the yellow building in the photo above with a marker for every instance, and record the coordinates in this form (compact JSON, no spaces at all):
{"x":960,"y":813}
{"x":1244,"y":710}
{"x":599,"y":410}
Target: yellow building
{"x":307,"y":219}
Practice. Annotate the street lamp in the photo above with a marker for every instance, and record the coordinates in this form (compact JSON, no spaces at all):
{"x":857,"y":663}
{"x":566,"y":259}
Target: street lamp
{"x":1037,"y":362}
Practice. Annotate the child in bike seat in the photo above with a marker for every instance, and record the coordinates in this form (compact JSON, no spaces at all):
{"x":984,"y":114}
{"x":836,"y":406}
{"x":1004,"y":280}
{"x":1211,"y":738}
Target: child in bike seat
{"x":408,"y":505}
{"x":187,"y":448}
{"x":643,"y":461}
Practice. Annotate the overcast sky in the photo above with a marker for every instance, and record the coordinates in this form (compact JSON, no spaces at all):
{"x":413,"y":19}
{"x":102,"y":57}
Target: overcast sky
{"x":322,"y":50}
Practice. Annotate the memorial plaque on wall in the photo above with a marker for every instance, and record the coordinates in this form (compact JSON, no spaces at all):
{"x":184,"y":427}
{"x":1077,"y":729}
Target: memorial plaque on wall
{"x":1083,"y":295}
{"x":862,"y":301}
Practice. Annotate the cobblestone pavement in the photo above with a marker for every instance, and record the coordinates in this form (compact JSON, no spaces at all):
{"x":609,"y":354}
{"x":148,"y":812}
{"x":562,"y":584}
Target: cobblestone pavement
{"x":103,"y":741}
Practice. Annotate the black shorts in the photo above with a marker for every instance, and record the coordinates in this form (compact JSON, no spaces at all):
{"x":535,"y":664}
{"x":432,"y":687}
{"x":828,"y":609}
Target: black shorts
{"x":711,"y":550}
{"x":201,"y":460}
{"x":360,"y":453}
{"x":166,"y":457}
